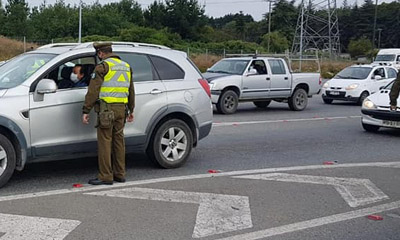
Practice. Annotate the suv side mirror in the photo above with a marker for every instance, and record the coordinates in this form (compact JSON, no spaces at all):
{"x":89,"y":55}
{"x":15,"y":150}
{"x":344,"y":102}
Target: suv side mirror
{"x":252,"y":71}
{"x":377,"y":77}
{"x":46,"y":86}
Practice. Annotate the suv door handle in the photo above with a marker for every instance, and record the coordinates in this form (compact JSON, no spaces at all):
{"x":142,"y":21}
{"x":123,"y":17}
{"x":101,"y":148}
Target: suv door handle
{"x":286,"y":78}
{"x":155,"y":91}
{"x":268,"y":78}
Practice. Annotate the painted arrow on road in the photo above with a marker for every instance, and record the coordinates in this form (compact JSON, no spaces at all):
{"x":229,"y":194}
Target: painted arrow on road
{"x":356,"y":192}
{"x":32,"y":228}
{"x":217,"y":213}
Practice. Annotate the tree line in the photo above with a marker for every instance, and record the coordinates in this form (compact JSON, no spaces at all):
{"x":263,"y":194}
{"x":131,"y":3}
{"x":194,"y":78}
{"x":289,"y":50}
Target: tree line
{"x":183,"y":23}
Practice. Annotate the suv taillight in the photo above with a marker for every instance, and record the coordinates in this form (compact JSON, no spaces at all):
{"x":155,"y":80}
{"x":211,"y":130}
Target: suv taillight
{"x":205,"y":86}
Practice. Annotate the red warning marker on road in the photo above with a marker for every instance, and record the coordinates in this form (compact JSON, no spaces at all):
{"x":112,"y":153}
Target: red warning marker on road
{"x":329,"y":163}
{"x":375,"y":217}
{"x":214,"y":171}
{"x":77,"y":185}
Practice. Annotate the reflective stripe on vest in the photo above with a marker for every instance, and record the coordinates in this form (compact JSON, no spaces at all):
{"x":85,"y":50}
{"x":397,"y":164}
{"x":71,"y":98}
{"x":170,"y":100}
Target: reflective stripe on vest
{"x":115,"y":88}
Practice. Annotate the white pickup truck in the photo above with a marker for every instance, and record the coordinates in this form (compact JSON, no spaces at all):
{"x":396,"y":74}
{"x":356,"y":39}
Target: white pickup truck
{"x":259,"y":80}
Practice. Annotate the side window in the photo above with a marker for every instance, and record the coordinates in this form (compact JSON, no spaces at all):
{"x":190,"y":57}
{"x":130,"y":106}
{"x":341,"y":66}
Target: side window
{"x":167,"y":69}
{"x":398,"y":58}
{"x":380,"y":72}
{"x":142,"y":69}
{"x":74,"y":73}
{"x":392,"y":73}
{"x":259,"y":66}
{"x":277,"y":66}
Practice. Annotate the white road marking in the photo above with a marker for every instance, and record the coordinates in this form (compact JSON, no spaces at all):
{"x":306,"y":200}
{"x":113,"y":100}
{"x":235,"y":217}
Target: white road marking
{"x":217,"y":213}
{"x":356,"y":192}
{"x":317,"y":222}
{"x":87,"y":188}
{"x":18,"y":227}
{"x":222,"y":124}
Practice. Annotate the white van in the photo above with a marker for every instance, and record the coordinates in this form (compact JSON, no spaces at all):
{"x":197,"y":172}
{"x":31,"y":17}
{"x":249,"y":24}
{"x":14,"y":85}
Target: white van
{"x":389,"y":56}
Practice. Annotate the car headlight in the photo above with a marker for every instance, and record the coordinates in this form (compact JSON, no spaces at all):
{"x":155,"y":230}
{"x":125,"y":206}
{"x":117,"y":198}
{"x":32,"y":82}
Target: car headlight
{"x":352,"y":86}
{"x":326,"y":85}
{"x":368,"y":104}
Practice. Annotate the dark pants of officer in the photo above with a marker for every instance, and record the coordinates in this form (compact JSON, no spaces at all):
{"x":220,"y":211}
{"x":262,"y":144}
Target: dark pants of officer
{"x":111,"y":146}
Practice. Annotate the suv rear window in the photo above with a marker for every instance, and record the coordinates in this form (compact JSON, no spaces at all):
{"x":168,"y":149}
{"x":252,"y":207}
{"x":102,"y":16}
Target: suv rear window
{"x":166,"y":69}
{"x":142,"y":69}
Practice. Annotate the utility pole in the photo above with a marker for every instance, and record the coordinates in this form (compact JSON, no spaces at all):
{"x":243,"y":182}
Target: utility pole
{"x":80,"y":22}
{"x":269,"y":23}
{"x":373,"y":35}
{"x":379,"y":37}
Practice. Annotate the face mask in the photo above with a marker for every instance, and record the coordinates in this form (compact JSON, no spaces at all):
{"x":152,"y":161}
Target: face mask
{"x":74,"y":78}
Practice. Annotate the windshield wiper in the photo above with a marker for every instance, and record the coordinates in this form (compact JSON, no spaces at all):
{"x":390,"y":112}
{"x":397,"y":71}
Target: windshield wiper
{"x":222,"y":72}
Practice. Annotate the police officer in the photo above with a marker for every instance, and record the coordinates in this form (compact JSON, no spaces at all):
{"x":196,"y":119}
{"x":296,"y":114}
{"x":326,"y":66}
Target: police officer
{"x":394,"y":93}
{"x":111,"y":86}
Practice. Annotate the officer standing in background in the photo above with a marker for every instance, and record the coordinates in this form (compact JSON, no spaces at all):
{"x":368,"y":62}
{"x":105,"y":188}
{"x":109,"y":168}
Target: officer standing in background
{"x":394,"y":93}
{"x":111,"y":87}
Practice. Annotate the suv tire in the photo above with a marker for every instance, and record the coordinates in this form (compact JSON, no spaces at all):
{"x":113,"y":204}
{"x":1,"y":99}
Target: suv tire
{"x":228,"y":102}
{"x":299,"y":100}
{"x":262,"y":104}
{"x":171,"y":144}
{"x":7,"y":160}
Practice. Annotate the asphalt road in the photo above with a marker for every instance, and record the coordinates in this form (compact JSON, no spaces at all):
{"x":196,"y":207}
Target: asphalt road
{"x":261,"y":141}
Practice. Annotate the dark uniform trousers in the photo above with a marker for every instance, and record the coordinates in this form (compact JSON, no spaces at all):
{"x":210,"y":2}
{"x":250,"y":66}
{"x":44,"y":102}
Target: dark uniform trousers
{"x":111,"y":146}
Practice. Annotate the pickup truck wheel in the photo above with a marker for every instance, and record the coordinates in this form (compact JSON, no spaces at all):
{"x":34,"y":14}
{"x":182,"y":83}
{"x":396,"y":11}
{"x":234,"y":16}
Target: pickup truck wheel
{"x":363,"y":96}
{"x":171,"y":144}
{"x":370,"y":128}
{"x":227,"y":102}
{"x":298,"y":101}
{"x":7,"y":160}
{"x":327,"y":101}
{"x":262,"y":104}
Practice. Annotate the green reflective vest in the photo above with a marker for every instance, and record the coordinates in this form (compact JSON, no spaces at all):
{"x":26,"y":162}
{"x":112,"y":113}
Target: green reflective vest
{"x":115,"y":88}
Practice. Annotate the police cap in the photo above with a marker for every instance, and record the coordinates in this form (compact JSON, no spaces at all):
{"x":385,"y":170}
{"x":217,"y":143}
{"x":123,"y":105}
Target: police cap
{"x":99,"y":46}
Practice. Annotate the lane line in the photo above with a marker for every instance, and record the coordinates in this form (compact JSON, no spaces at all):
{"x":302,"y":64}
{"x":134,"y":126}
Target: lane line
{"x":27,"y":227}
{"x":355,"y":191}
{"x":87,"y":188}
{"x":216,"y":214}
{"x":317,"y":222}
{"x":222,"y":124}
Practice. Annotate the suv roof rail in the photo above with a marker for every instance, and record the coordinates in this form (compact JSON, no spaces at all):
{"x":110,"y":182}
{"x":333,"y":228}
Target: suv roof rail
{"x":53,"y":45}
{"x":131,"y":44}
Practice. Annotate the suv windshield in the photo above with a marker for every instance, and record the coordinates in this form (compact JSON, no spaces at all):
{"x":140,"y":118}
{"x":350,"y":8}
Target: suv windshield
{"x":385,"y":58}
{"x":354,"y":73}
{"x":229,"y":67}
{"x":18,"y":69}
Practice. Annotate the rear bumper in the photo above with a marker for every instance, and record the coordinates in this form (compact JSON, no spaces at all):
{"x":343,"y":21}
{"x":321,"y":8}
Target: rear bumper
{"x":205,"y":130}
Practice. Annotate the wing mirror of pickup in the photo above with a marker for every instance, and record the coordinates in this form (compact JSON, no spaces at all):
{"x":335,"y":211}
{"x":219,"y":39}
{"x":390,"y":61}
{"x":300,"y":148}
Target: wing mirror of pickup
{"x":45,"y":86}
{"x":251,"y":71}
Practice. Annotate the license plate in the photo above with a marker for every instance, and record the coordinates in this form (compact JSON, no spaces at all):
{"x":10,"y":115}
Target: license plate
{"x":388,"y":123}
{"x":334,"y":93}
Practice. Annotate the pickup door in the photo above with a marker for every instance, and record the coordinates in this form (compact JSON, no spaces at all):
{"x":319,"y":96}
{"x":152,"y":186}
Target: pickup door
{"x":280,"y":78}
{"x":256,"y":85}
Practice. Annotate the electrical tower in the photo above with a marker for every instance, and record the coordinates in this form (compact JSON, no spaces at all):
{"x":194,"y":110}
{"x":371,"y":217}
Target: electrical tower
{"x":317,"y":28}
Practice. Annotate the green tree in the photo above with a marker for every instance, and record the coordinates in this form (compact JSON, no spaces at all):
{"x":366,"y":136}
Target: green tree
{"x":154,"y":15}
{"x":278,"y":42}
{"x":185,"y":17}
{"x":17,"y":12}
{"x":284,"y":18}
{"x":2,"y":18}
{"x":360,"y":47}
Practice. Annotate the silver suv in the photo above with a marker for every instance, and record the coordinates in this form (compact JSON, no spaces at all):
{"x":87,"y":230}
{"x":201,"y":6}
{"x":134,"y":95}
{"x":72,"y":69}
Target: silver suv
{"x":40,"y":119}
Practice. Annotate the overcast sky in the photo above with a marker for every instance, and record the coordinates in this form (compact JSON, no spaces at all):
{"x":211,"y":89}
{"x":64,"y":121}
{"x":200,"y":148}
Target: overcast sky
{"x":214,"y":8}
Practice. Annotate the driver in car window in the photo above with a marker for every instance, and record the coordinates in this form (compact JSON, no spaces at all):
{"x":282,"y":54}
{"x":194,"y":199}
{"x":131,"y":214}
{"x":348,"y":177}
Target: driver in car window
{"x":74,"y":78}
